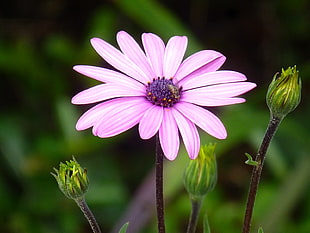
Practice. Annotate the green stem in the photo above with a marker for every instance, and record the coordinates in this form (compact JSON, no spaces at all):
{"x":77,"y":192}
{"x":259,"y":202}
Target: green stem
{"x":257,"y":170}
{"x":159,"y":187}
{"x":88,"y":214}
{"x":192,"y":224}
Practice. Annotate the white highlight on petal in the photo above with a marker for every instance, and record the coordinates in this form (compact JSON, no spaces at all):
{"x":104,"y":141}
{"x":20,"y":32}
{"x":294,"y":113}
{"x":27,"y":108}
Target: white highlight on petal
{"x":169,"y":135}
{"x":196,"y":61}
{"x":174,"y":54}
{"x":189,"y":134}
{"x":203,"y":118}
{"x":133,"y":51}
{"x":150,"y":122}
{"x":154,"y":48}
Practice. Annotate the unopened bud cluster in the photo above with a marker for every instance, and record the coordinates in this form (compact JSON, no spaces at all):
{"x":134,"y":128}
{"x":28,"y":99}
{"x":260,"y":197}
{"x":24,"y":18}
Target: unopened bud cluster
{"x":284,"y":92}
{"x":72,"y":179}
{"x":200,"y":175}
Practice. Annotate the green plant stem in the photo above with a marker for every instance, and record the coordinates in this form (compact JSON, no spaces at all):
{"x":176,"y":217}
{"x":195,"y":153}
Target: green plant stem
{"x":257,"y":170}
{"x":88,"y":214}
{"x":192,"y":224}
{"x":159,"y":187}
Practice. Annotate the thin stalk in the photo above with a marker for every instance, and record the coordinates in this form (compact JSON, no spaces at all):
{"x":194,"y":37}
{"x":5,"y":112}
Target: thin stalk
{"x":257,"y":170}
{"x":192,"y":224}
{"x":88,"y":214}
{"x":159,"y":187}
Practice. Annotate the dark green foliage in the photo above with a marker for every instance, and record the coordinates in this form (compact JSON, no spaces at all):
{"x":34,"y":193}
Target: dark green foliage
{"x":39,"y":44}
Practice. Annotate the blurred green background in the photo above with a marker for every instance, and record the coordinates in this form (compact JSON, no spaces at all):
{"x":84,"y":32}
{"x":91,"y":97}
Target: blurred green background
{"x":40,"y":41}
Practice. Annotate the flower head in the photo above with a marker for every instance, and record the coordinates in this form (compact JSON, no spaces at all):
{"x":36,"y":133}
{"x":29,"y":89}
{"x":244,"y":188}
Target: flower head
{"x":157,"y":90}
{"x":284,"y":92}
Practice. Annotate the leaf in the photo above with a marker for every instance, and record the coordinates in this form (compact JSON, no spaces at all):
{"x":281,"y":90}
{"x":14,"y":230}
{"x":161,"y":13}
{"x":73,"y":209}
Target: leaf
{"x":260,"y":230}
{"x":206,"y":227}
{"x":124,"y":228}
{"x":250,"y":160}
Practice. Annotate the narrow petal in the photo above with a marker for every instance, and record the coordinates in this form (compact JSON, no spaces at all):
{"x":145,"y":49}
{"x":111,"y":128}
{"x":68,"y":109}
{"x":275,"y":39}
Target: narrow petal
{"x":169,"y":135}
{"x":96,"y":113}
{"x":132,"y":50}
{"x":205,"y":100}
{"x":189,"y":134}
{"x":217,"y":77}
{"x":196,"y":61}
{"x":203,"y":118}
{"x":207,"y":68}
{"x":225,"y":90}
{"x":174,"y":54}
{"x":150,"y":122}
{"x":121,"y":62}
{"x":108,"y":76}
{"x":154,"y":48}
{"x":104,"y":92}
{"x":120,"y":118}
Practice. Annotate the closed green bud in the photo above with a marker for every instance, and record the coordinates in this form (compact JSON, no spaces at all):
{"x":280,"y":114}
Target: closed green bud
{"x":72,"y":179}
{"x":200,"y":175}
{"x":284,"y":92}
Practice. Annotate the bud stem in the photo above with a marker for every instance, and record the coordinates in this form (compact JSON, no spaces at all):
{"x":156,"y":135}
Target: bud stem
{"x":159,"y":187}
{"x":88,"y":215}
{"x":192,"y":224}
{"x":257,"y":170}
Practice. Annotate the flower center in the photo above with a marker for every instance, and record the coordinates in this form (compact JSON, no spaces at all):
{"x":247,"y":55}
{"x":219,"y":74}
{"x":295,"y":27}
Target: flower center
{"x":163,"y":92}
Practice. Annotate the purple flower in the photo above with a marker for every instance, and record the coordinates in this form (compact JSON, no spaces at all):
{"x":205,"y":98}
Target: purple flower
{"x":158,"y":91}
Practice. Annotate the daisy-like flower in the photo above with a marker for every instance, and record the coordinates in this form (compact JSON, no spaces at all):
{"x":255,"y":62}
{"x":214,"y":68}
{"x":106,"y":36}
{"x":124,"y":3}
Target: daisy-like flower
{"x":158,"y":91}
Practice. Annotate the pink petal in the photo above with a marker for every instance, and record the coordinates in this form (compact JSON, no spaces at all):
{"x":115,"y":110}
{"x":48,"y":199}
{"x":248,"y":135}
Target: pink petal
{"x":196,"y":61}
{"x":132,"y":50}
{"x":217,"y":77}
{"x":150,"y":122}
{"x":96,"y":113}
{"x":154,"y":48}
{"x":222,"y":90}
{"x":121,"y":62}
{"x":204,"y":119}
{"x":207,"y":68}
{"x":174,"y":54}
{"x":169,"y":135}
{"x":108,"y":76}
{"x":189,"y":134}
{"x":103,"y":92}
{"x":198,"y":99}
{"x":121,"y":117}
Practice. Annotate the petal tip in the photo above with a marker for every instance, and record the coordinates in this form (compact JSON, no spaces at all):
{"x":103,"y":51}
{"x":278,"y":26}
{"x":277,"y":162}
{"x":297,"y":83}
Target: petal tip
{"x":193,"y":156}
{"x":95,"y":41}
{"x":171,"y":157}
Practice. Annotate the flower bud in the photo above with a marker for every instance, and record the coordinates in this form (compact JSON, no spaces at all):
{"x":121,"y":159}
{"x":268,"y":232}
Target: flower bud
{"x":200,"y":175}
{"x":72,"y":179}
{"x":284,"y":93}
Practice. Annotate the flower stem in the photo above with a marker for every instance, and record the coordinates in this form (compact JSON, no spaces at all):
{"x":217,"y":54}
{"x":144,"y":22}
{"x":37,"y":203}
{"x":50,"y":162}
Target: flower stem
{"x":159,"y":187}
{"x":88,"y":214}
{"x":257,"y":170}
{"x":192,"y":224}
